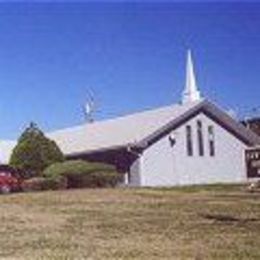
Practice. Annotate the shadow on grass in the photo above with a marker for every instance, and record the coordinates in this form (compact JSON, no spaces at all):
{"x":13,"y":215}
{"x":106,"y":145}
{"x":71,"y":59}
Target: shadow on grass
{"x":200,"y":187}
{"x":227,"y":218}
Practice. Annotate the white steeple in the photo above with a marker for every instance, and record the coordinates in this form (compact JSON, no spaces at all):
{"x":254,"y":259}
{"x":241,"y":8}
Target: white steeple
{"x":191,"y":92}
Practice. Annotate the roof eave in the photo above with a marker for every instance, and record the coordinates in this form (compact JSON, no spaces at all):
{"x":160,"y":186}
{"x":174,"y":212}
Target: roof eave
{"x":99,"y":150}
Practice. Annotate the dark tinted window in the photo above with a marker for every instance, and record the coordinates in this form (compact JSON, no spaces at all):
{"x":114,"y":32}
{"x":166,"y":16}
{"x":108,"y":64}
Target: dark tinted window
{"x":200,"y":138}
{"x":189,"y":145}
{"x":211,"y":140}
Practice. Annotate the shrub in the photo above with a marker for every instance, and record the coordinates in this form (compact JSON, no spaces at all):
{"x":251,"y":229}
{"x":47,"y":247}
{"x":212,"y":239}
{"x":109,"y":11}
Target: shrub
{"x":32,"y":184}
{"x":34,"y":152}
{"x":41,"y":183}
{"x":55,"y":183}
{"x":106,"y":179}
{"x":81,"y":174}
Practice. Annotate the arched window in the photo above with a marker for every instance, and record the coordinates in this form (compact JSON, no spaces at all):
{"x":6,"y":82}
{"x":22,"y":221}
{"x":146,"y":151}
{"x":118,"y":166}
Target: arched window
{"x":211,"y":138}
{"x":189,"y":145}
{"x":200,"y":138}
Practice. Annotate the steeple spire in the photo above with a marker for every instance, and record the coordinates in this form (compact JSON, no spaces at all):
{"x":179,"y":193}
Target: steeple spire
{"x":191,"y":92}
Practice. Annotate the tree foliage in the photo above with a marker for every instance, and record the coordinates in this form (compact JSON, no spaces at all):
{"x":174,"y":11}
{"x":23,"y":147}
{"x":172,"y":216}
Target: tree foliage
{"x":34,"y":152}
{"x":253,"y":124}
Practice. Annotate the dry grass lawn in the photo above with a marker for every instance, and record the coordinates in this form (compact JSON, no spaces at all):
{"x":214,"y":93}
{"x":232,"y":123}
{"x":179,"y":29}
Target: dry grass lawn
{"x":213,"y":222}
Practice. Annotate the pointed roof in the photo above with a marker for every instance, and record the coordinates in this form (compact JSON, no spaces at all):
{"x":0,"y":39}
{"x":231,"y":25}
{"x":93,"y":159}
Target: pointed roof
{"x":117,"y":132}
{"x":143,"y":128}
{"x":138,"y":130}
{"x":213,"y":112}
{"x":191,"y":92}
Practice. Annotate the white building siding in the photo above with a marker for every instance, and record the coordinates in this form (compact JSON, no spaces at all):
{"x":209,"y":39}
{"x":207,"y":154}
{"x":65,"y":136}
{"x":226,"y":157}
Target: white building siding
{"x":163,"y":165}
{"x":134,"y":178}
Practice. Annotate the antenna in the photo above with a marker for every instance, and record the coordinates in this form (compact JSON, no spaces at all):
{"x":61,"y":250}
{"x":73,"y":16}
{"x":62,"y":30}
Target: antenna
{"x":89,"y":108}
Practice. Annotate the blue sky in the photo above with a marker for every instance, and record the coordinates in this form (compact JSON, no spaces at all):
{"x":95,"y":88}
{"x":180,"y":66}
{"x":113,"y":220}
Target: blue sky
{"x":130,"y":55}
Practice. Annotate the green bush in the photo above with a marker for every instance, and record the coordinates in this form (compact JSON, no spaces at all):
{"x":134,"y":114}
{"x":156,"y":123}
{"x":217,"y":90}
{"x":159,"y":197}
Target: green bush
{"x":34,"y":152}
{"x":106,"y":179}
{"x":41,"y":183}
{"x":81,"y":174}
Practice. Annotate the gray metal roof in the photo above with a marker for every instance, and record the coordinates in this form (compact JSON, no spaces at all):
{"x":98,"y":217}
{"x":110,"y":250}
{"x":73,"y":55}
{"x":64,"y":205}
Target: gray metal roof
{"x":118,"y":132}
{"x":138,"y":130}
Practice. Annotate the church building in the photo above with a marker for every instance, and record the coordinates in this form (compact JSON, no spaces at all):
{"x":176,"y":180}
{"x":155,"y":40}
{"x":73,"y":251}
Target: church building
{"x":192,"y":142}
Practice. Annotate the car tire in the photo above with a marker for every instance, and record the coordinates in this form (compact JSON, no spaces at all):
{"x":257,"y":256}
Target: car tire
{"x":5,"y":189}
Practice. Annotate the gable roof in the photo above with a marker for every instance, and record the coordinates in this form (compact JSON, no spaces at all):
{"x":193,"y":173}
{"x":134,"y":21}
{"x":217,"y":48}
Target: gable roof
{"x":119,"y":132}
{"x":137,"y":130}
{"x":122,"y":131}
{"x":142,"y":129}
{"x":213,"y":112}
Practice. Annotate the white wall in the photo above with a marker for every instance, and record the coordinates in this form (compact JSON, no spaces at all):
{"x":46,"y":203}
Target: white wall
{"x":134,"y":178}
{"x":6,"y":148}
{"x":163,"y":165}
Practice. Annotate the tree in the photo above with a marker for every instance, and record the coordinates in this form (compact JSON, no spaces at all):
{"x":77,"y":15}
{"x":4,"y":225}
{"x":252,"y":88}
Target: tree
{"x":34,"y":152}
{"x":253,"y":124}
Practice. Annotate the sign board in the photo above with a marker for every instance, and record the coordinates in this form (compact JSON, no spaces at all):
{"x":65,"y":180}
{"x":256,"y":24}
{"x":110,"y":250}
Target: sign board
{"x":253,"y":162}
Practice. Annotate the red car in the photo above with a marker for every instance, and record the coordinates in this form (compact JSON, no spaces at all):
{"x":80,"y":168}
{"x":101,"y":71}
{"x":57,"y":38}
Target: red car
{"x":8,"y":182}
